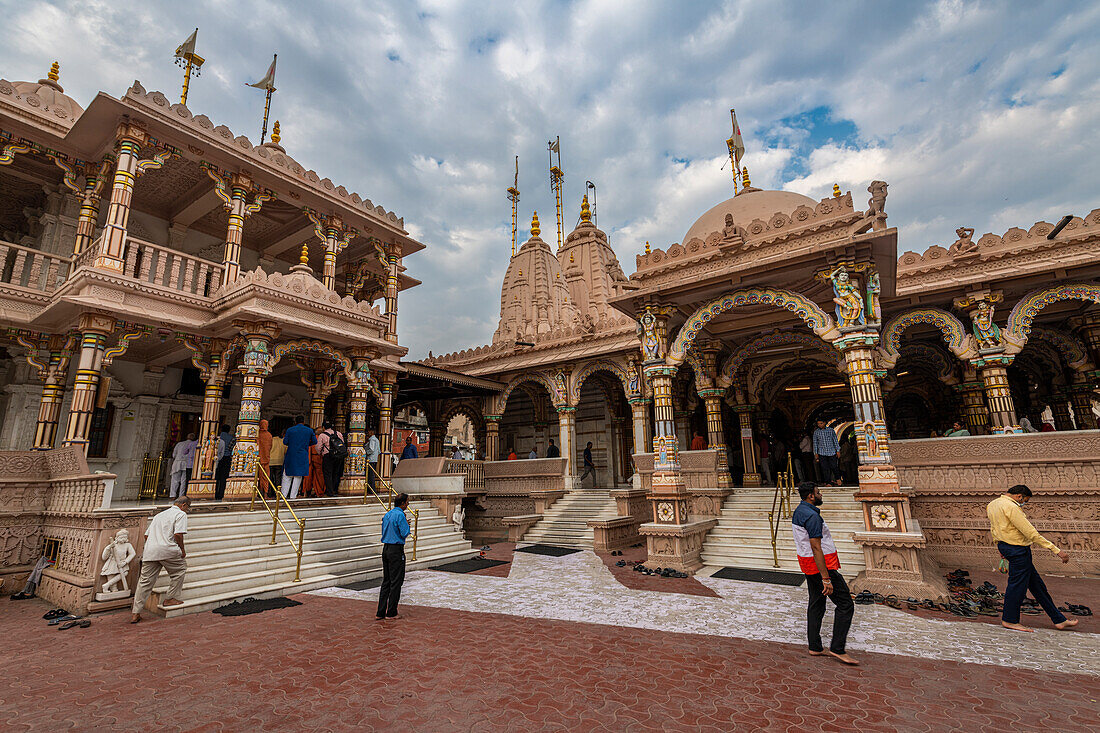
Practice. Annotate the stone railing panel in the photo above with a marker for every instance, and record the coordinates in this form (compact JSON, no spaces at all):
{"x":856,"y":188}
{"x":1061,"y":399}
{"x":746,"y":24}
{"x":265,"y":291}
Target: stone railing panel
{"x":473,"y":470}
{"x":699,"y":468}
{"x":32,"y":269}
{"x":524,"y":477}
{"x":170,"y":269}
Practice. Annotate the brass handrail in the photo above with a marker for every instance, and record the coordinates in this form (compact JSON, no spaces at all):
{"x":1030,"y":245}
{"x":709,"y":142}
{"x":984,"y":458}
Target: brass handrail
{"x":781,"y":499}
{"x":391,"y":493}
{"x":277,"y":523}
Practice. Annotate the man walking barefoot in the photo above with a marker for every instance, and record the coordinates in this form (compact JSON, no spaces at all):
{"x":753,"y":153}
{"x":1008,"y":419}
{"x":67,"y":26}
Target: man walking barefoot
{"x":395,"y":528}
{"x":818,"y":560}
{"x":1015,"y":536}
{"x":163,"y":550}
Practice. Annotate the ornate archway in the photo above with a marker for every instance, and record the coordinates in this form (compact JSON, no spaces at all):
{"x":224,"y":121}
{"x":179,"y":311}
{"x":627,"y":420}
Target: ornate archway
{"x":627,"y":375}
{"x":820,"y":322}
{"x":555,"y":387}
{"x":729,"y":369}
{"x":958,"y":341}
{"x":1023,"y":315}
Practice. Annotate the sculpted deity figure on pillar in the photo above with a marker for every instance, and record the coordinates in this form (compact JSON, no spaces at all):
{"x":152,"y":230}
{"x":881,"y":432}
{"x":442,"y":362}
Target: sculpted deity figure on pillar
{"x":647,"y":332}
{"x":848,"y":299}
{"x":986,"y":332}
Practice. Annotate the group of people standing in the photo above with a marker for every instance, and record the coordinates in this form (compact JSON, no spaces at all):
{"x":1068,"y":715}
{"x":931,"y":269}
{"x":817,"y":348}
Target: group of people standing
{"x":302,"y":461}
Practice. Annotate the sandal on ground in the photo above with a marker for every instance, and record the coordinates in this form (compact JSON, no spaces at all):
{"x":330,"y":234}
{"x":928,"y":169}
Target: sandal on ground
{"x":879,"y":598}
{"x":63,"y":619}
{"x":81,"y":622}
{"x":892,"y":601}
{"x":21,"y":596}
{"x":912,"y":603}
{"x":864,"y":598}
{"x":1079,"y":610}
{"x":55,"y":613}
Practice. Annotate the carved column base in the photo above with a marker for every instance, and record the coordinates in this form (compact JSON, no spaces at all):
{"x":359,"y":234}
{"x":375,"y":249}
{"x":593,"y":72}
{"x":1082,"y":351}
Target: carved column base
{"x":751,"y":480}
{"x":240,"y":487}
{"x":676,"y":546}
{"x":200,"y":489}
{"x":352,"y":486}
{"x":897,"y":563}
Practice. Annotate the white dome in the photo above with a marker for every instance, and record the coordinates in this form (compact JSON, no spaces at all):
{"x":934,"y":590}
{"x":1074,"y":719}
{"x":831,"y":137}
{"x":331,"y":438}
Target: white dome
{"x":746,"y":206}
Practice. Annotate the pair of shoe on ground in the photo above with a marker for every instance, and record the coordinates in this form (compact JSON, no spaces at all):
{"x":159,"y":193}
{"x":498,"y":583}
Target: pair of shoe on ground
{"x":64,"y":620}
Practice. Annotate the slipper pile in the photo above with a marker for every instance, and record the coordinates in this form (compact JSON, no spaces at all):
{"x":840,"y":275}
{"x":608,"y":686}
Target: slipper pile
{"x":662,"y":572}
{"x":64,"y":620}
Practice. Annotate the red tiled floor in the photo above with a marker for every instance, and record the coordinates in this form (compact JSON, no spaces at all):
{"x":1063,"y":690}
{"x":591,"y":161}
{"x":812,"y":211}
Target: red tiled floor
{"x":327,"y":665}
{"x":636,"y":581}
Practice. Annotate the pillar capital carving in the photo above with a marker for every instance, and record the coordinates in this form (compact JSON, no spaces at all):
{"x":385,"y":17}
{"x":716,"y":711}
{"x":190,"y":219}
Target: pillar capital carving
{"x":96,"y":323}
{"x":261,"y":329}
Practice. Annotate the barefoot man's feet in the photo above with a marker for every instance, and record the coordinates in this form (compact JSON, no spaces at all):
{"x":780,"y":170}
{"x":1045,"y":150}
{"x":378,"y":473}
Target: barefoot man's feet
{"x":1067,"y":624}
{"x":846,"y":658}
{"x":1015,"y":627}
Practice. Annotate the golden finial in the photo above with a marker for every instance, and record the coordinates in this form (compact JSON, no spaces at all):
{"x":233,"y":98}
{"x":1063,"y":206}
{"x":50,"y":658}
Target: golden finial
{"x":304,"y":258}
{"x":275,"y":136}
{"x":535,"y":231}
{"x":570,"y":256}
{"x":745,"y":182}
{"x":586,"y":213}
{"x":647,"y":246}
{"x":52,"y":76}
{"x":836,"y":190}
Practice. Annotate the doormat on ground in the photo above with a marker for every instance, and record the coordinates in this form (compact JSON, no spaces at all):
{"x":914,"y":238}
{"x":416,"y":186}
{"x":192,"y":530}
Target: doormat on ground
{"x":255,"y":605}
{"x":775,"y":577}
{"x":548,"y":550}
{"x":469,"y":566}
{"x":363,"y":584}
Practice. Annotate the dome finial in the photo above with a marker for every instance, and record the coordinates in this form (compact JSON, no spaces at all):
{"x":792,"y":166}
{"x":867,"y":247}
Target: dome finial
{"x":535,"y":230}
{"x":836,"y":190}
{"x":304,"y":258}
{"x":586,"y":213}
{"x":275,"y":136}
{"x":54,"y":69}
{"x":647,"y":250}
{"x":745,"y":182}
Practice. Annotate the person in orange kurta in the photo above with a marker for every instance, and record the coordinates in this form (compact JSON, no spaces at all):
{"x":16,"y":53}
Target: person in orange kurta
{"x":314,"y":484}
{"x":698,"y":442}
{"x":263,"y":443}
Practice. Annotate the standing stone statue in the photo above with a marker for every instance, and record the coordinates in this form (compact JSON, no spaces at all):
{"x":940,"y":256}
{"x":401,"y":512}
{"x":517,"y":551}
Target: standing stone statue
{"x":117,"y":556}
{"x":986,"y":332}
{"x":848,"y":299}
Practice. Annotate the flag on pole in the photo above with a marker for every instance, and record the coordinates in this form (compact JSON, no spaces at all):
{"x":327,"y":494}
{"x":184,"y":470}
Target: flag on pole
{"x":268,"y":82}
{"x":188,"y":46}
{"x":735,"y":143}
{"x":555,"y":147}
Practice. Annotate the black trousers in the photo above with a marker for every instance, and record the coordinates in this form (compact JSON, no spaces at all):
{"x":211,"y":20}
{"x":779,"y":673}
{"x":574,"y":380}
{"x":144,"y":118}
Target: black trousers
{"x":830,"y":468}
{"x":332,"y":470}
{"x":393,"y":575}
{"x":815,"y":611}
{"x":1023,"y":577}
{"x":221,"y":475}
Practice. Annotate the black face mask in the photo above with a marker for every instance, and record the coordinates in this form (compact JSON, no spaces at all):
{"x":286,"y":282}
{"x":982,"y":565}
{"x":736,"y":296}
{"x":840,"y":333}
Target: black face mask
{"x":817,"y":500}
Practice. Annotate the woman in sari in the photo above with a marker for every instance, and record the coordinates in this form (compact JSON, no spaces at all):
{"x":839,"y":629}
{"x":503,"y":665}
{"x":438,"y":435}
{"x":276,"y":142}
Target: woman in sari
{"x":263,"y":444}
{"x":315,"y":481}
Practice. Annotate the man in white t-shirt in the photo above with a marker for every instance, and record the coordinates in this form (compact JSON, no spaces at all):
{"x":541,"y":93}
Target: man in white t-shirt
{"x":163,"y":550}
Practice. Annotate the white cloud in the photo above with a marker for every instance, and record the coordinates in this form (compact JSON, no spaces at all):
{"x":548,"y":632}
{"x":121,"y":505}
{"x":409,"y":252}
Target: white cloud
{"x":977,"y":114}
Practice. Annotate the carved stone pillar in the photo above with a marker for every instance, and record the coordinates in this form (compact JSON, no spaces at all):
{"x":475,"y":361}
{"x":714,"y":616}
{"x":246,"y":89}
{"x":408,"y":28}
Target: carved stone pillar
{"x":385,"y":423}
{"x":1002,"y":412}
{"x":113,"y":248}
{"x":201,"y":485}
{"x":340,"y":416}
{"x":53,"y":371}
{"x":892,"y":541}
{"x":1081,"y":393}
{"x":255,"y":367}
{"x":716,"y":432}
{"x":93,"y":341}
{"x":974,"y":411}
{"x":437,"y":432}
{"x":639,"y":412}
{"x":492,"y":437}
{"x":392,"y":259}
{"x":94,"y":178}
{"x":751,"y":476}
{"x":233,"y":189}
{"x":567,"y":437}
{"x":683,"y":428}
{"x":355,"y":467}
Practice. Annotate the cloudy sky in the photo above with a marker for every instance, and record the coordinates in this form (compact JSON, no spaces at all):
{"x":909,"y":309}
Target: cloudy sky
{"x":980,"y":114}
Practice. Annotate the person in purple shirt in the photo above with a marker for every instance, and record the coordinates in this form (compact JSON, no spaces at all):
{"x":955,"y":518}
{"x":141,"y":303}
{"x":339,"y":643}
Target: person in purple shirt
{"x":395,"y":528}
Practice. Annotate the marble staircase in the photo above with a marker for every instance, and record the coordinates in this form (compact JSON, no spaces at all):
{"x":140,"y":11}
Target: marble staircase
{"x":229,"y":555}
{"x":564,"y":523}
{"x":742,"y":538}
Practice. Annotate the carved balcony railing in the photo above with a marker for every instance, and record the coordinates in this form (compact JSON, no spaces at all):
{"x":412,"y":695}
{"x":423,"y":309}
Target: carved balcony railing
{"x":31,"y":268}
{"x":473,"y":470}
{"x":151,"y":263}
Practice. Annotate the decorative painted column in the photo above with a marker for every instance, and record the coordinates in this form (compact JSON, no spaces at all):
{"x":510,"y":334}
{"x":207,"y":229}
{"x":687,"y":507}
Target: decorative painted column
{"x":492,"y":437}
{"x":1081,"y":393}
{"x":393,"y":257}
{"x":437,"y":432}
{"x":567,"y":439}
{"x":716,"y":432}
{"x":639,"y":413}
{"x":93,"y":342}
{"x":255,"y":368}
{"x":355,"y":467}
{"x":973,"y":399}
{"x":1059,"y":406}
{"x":202,"y":485}
{"x":1002,"y":412}
{"x":385,"y":422}
{"x":233,"y":189}
{"x":891,"y":542}
{"x":751,"y":476}
{"x":53,"y":371}
{"x":340,"y":417}
{"x":334,"y":235}
{"x":95,"y":175}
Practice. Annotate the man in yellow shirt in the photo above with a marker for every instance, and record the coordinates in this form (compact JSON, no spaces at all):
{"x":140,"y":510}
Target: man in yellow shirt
{"x":1015,"y":536}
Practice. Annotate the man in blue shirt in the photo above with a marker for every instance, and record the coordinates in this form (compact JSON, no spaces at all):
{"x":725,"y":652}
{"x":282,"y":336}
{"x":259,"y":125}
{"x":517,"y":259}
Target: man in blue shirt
{"x":826,"y":447}
{"x":298,"y":440}
{"x":395,"y":528}
{"x":589,"y":465}
{"x":410,"y":449}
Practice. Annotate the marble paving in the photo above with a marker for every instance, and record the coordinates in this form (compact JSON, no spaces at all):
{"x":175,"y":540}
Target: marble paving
{"x":580,"y":588}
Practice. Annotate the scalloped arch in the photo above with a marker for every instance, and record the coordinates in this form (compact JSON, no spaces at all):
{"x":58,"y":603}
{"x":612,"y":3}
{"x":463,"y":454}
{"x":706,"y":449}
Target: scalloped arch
{"x":309,"y":346}
{"x":1025,"y":312}
{"x":536,"y":377}
{"x":820,"y":322}
{"x":954,"y":333}
{"x":1067,"y":344}
{"x":601,"y":365}
{"x":728,"y":371}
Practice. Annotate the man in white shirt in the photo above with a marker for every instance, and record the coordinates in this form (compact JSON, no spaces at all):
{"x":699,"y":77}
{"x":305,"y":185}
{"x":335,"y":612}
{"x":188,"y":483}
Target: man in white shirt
{"x":183,"y":457}
{"x":374,"y":447}
{"x":163,"y":550}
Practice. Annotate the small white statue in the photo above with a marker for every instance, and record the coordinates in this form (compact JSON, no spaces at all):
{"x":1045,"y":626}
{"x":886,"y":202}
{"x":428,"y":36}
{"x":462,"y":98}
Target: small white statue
{"x":459,"y":516}
{"x":117,"y":556}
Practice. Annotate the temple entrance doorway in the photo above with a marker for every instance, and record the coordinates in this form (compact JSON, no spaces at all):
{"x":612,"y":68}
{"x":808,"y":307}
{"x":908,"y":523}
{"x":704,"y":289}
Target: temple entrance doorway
{"x":528,"y":422}
{"x":603,"y":417}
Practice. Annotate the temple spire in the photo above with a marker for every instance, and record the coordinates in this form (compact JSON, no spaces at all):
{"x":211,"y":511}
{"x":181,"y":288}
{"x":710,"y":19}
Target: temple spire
{"x":586,"y":212}
{"x":535,"y":230}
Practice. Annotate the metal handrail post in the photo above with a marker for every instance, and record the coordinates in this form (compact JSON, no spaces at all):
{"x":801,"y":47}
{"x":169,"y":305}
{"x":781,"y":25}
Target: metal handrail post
{"x":301,"y":545}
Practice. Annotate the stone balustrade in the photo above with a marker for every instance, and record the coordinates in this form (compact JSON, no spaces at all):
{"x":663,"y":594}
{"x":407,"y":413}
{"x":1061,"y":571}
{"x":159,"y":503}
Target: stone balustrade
{"x":32,"y":269}
{"x":525,"y":477}
{"x":474,"y":471}
{"x":171,"y":269}
{"x":950,"y":481}
{"x":698,"y":467}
